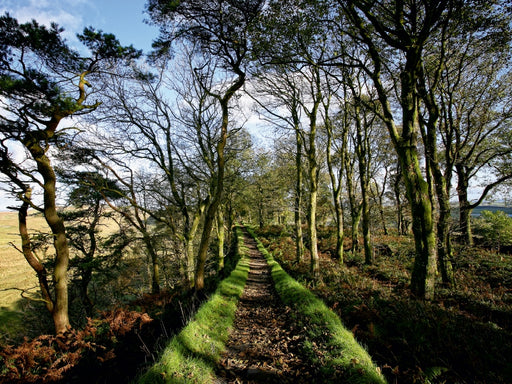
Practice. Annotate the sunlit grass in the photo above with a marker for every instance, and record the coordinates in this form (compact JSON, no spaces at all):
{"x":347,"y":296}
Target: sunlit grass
{"x":15,"y":272}
{"x":339,"y":350}
{"x":191,"y":355}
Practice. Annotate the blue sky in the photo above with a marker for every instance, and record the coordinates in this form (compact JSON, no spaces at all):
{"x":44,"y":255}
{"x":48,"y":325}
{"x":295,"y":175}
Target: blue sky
{"x":125,"y":18}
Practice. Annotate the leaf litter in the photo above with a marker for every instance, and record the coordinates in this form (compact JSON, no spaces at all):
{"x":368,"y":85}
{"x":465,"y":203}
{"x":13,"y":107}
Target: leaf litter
{"x":265,"y":344}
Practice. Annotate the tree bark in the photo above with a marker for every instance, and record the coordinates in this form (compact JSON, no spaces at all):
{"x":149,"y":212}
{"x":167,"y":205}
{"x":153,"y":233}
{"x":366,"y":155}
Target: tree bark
{"x":313,"y":183}
{"x":425,"y":263}
{"x":355,"y":208}
{"x":56,"y":223}
{"x":190,"y":236}
{"x":367,"y":241}
{"x":336,"y":181}
{"x":464,"y":205}
{"x":42,"y":274}
{"x":299,"y":240}
{"x":155,"y":269}
{"x":220,"y":238}
{"x":362,"y":154}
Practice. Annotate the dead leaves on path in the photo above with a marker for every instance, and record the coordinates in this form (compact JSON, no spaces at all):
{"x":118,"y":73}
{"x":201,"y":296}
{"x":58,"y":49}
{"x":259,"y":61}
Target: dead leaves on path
{"x":265,"y":345}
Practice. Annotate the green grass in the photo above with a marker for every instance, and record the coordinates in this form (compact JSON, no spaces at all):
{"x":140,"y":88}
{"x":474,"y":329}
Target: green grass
{"x":330,"y":343}
{"x":191,"y":355}
{"x":11,"y":324}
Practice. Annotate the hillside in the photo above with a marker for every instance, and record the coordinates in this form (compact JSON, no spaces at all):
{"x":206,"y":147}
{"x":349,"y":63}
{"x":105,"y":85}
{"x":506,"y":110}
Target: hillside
{"x":14,"y":270}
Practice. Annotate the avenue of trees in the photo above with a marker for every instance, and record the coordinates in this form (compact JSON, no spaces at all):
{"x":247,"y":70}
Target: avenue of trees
{"x":382,"y":113}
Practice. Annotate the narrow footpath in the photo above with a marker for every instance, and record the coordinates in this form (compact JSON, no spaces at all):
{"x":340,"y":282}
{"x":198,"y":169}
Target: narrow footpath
{"x":264,"y":346}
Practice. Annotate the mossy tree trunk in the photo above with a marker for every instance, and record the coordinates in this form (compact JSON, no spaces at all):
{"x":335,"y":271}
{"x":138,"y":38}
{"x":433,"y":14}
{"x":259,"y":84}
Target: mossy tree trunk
{"x":362,"y":152}
{"x":464,"y":205}
{"x":299,"y":239}
{"x":356,"y":208}
{"x":221,"y":233}
{"x":410,"y":43}
{"x":34,"y":144}
{"x":313,"y":169}
{"x":336,"y":176}
{"x":190,"y":237}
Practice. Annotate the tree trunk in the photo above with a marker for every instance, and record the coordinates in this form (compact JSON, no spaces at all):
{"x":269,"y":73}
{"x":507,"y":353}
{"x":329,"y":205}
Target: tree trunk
{"x":356,"y":219}
{"x":86,"y":276}
{"x":261,"y":220}
{"x":56,"y":223}
{"x":445,"y":252}
{"x":423,"y":223}
{"x":204,"y":244}
{"x":313,"y":191}
{"x":42,"y":275}
{"x":464,"y":205}
{"x":367,"y":241}
{"x":155,"y":270}
{"x":220,"y":238}
{"x":424,"y":271}
{"x":362,"y":151}
{"x":190,"y":236}
{"x":425,"y":262}
{"x":338,"y":212}
{"x":299,"y":240}
{"x":381,"y":210}
{"x":355,"y":208}
{"x":442,"y":182}
{"x":312,"y":204}
{"x":313,"y":246}
{"x":217,"y":183}
{"x":400,"y":225}
{"x":336,"y":190}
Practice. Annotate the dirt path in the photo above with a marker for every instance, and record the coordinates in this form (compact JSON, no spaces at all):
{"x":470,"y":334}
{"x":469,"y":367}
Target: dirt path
{"x":264,"y":344}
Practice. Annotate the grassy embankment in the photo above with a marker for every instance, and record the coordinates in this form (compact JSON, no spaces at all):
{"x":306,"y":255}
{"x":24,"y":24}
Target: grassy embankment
{"x":330,"y":344}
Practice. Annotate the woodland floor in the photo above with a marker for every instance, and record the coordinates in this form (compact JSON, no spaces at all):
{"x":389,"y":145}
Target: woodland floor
{"x":264,"y":345}
{"x":463,"y":336}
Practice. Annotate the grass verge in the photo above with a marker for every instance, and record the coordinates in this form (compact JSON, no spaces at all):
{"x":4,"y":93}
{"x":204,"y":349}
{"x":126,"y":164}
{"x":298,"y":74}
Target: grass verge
{"x":330,"y":343}
{"x":191,"y":356}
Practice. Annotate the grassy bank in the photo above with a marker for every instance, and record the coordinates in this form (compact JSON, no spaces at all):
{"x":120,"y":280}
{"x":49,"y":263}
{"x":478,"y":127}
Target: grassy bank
{"x":191,"y":356}
{"x":330,"y":344}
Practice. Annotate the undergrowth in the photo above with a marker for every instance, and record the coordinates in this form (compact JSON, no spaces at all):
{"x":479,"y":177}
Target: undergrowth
{"x":463,"y":336}
{"x":48,"y":358}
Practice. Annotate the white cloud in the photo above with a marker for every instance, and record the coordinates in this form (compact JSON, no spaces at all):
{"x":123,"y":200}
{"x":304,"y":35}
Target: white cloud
{"x":67,"y":14}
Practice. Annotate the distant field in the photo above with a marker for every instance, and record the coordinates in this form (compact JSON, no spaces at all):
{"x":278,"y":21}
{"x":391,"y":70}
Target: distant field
{"x":14,"y":269}
{"x":493,"y":208}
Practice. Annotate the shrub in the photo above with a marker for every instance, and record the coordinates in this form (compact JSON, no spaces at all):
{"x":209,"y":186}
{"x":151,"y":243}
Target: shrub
{"x":495,"y":227}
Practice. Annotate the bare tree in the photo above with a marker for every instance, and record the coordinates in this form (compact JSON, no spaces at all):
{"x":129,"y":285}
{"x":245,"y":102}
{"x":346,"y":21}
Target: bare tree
{"x":219,"y":30}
